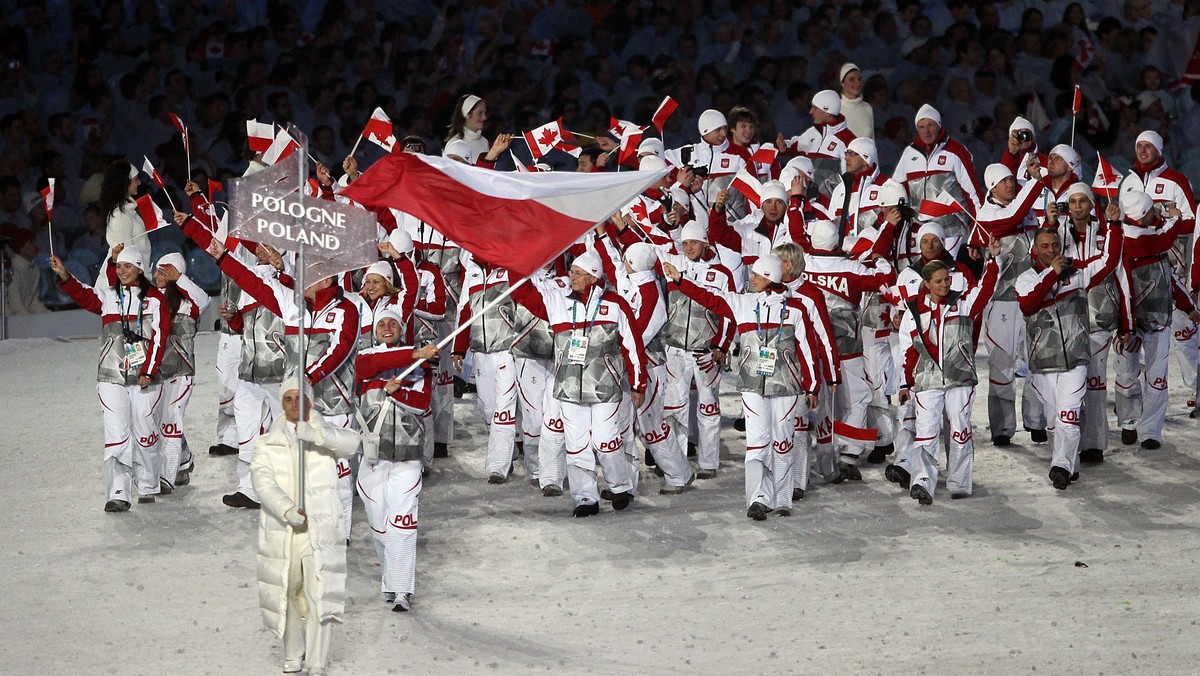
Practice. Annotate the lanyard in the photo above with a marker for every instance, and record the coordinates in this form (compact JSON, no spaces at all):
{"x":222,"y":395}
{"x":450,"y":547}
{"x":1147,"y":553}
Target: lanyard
{"x":758,"y":321}
{"x":595,"y":311}
{"x":121,"y":299}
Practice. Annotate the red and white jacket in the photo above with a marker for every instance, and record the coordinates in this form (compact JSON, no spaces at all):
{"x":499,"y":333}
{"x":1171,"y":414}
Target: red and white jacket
{"x":145,"y":313}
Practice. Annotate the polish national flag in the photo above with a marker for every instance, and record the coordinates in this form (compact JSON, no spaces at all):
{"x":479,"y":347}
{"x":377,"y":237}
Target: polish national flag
{"x":547,"y":137}
{"x":259,"y":135}
{"x":531,"y":217}
{"x":48,"y":198}
{"x":182,"y":130}
{"x":849,"y":435}
{"x":379,"y":130}
{"x":765,"y":154}
{"x":630,"y":136}
{"x":215,"y":187}
{"x":152,"y":172}
{"x":1108,"y":180}
{"x":281,"y":148}
{"x":749,"y":186}
{"x":943,"y":204}
{"x":664,"y":111}
{"x":152,"y":216}
{"x":1077,"y":101}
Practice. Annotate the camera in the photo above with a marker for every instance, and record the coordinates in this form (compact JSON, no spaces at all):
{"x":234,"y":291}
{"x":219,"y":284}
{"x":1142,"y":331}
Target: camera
{"x":702,"y":172}
{"x":131,"y":336}
{"x":1067,"y":271}
{"x":1024,"y":136}
{"x":1062,"y":208}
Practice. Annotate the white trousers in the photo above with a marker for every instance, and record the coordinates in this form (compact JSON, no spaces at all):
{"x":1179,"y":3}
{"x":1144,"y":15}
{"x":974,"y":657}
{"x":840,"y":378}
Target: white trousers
{"x":1127,"y":383}
{"x":802,"y":444}
{"x":1006,"y":341}
{"x":683,"y":370}
{"x":661,"y":437}
{"x":176,"y":393}
{"x":132,"y":416}
{"x":390,"y":492}
{"x":906,"y":430}
{"x":346,"y":469}
{"x":307,"y":639}
{"x":851,"y":404}
{"x":1062,"y":394}
{"x":770,"y":462}
{"x":1151,"y":363}
{"x":1093,"y":419}
{"x":443,"y":391}
{"x":955,"y":404}
{"x":593,"y":433}
{"x":496,"y":389}
{"x":229,"y":357}
{"x":880,"y":371}
{"x":552,"y":450}
{"x":534,"y":378}
{"x":1185,"y":339}
{"x":255,"y":407}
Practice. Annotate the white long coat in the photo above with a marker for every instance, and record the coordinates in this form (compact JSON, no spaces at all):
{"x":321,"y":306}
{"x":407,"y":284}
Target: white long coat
{"x":274,"y":473}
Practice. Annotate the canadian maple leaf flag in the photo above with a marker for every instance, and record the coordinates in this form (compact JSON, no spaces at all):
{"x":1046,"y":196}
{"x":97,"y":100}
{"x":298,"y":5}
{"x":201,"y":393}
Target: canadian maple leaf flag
{"x":663,"y":113}
{"x":1108,"y":180}
{"x":281,"y":148}
{"x":530,"y":217}
{"x":152,"y":216}
{"x":182,"y":130}
{"x":749,"y":186}
{"x":943,"y":204}
{"x":48,"y":198}
{"x":379,"y":130}
{"x":259,"y":135}
{"x":152,"y":172}
{"x":547,"y":137}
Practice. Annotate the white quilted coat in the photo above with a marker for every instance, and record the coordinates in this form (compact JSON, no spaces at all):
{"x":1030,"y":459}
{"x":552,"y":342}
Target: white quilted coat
{"x":274,"y":474}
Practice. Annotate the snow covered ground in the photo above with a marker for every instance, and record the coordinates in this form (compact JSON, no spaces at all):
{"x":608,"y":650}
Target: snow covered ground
{"x":859,"y":580}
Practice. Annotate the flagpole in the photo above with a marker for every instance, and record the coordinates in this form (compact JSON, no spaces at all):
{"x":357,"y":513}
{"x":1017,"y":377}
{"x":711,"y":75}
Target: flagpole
{"x":355,"y":148}
{"x":302,"y":347}
{"x":479,"y":315}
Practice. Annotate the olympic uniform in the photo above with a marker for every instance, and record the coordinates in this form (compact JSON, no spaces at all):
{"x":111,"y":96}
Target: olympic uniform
{"x":135,"y":324}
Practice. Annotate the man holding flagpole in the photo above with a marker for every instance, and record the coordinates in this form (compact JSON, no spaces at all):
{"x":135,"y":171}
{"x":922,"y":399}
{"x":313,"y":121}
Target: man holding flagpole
{"x":595,"y":349}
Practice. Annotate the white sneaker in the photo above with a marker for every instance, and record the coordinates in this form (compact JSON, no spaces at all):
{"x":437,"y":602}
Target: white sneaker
{"x":403,"y":603}
{"x":293,"y":666}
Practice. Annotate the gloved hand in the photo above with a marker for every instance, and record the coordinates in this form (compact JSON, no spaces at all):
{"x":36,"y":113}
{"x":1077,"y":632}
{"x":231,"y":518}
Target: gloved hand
{"x":296,"y":518}
{"x":306,"y":431}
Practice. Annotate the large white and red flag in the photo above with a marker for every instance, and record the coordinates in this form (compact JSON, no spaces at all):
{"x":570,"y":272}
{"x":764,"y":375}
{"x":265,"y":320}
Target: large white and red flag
{"x":942,"y":204}
{"x":150,"y":213}
{"x":259,"y":135}
{"x":282,"y":147}
{"x":549,"y":136}
{"x":1108,"y":180}
{"x":379,"y":130}
{"x":663,"y":113}
{"x":517,"y":220}
{"x":745,"y":183}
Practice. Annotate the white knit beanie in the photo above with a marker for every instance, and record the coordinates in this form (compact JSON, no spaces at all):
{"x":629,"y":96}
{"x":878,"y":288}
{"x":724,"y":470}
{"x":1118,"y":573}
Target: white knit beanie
{"x":770,"y":267}
{"x":994,"y":174}
{"x":828,"y":101}
{"x":928,"y":112}
{"x":823,"y":235}
{"x":589,"y":262}
{"x":864,"y":148}
{"x":694,"y":231}
{"x":773,"y":190}
{"x":711,"y":120}
{"x":383,"y":270}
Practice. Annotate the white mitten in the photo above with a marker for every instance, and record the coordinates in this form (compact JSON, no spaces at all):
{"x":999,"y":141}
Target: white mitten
{"x":294,"y":518}
{"x":309,"y":432}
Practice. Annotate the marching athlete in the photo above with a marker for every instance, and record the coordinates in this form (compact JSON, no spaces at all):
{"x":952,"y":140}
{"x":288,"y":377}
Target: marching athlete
{"x":135,"y":323}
